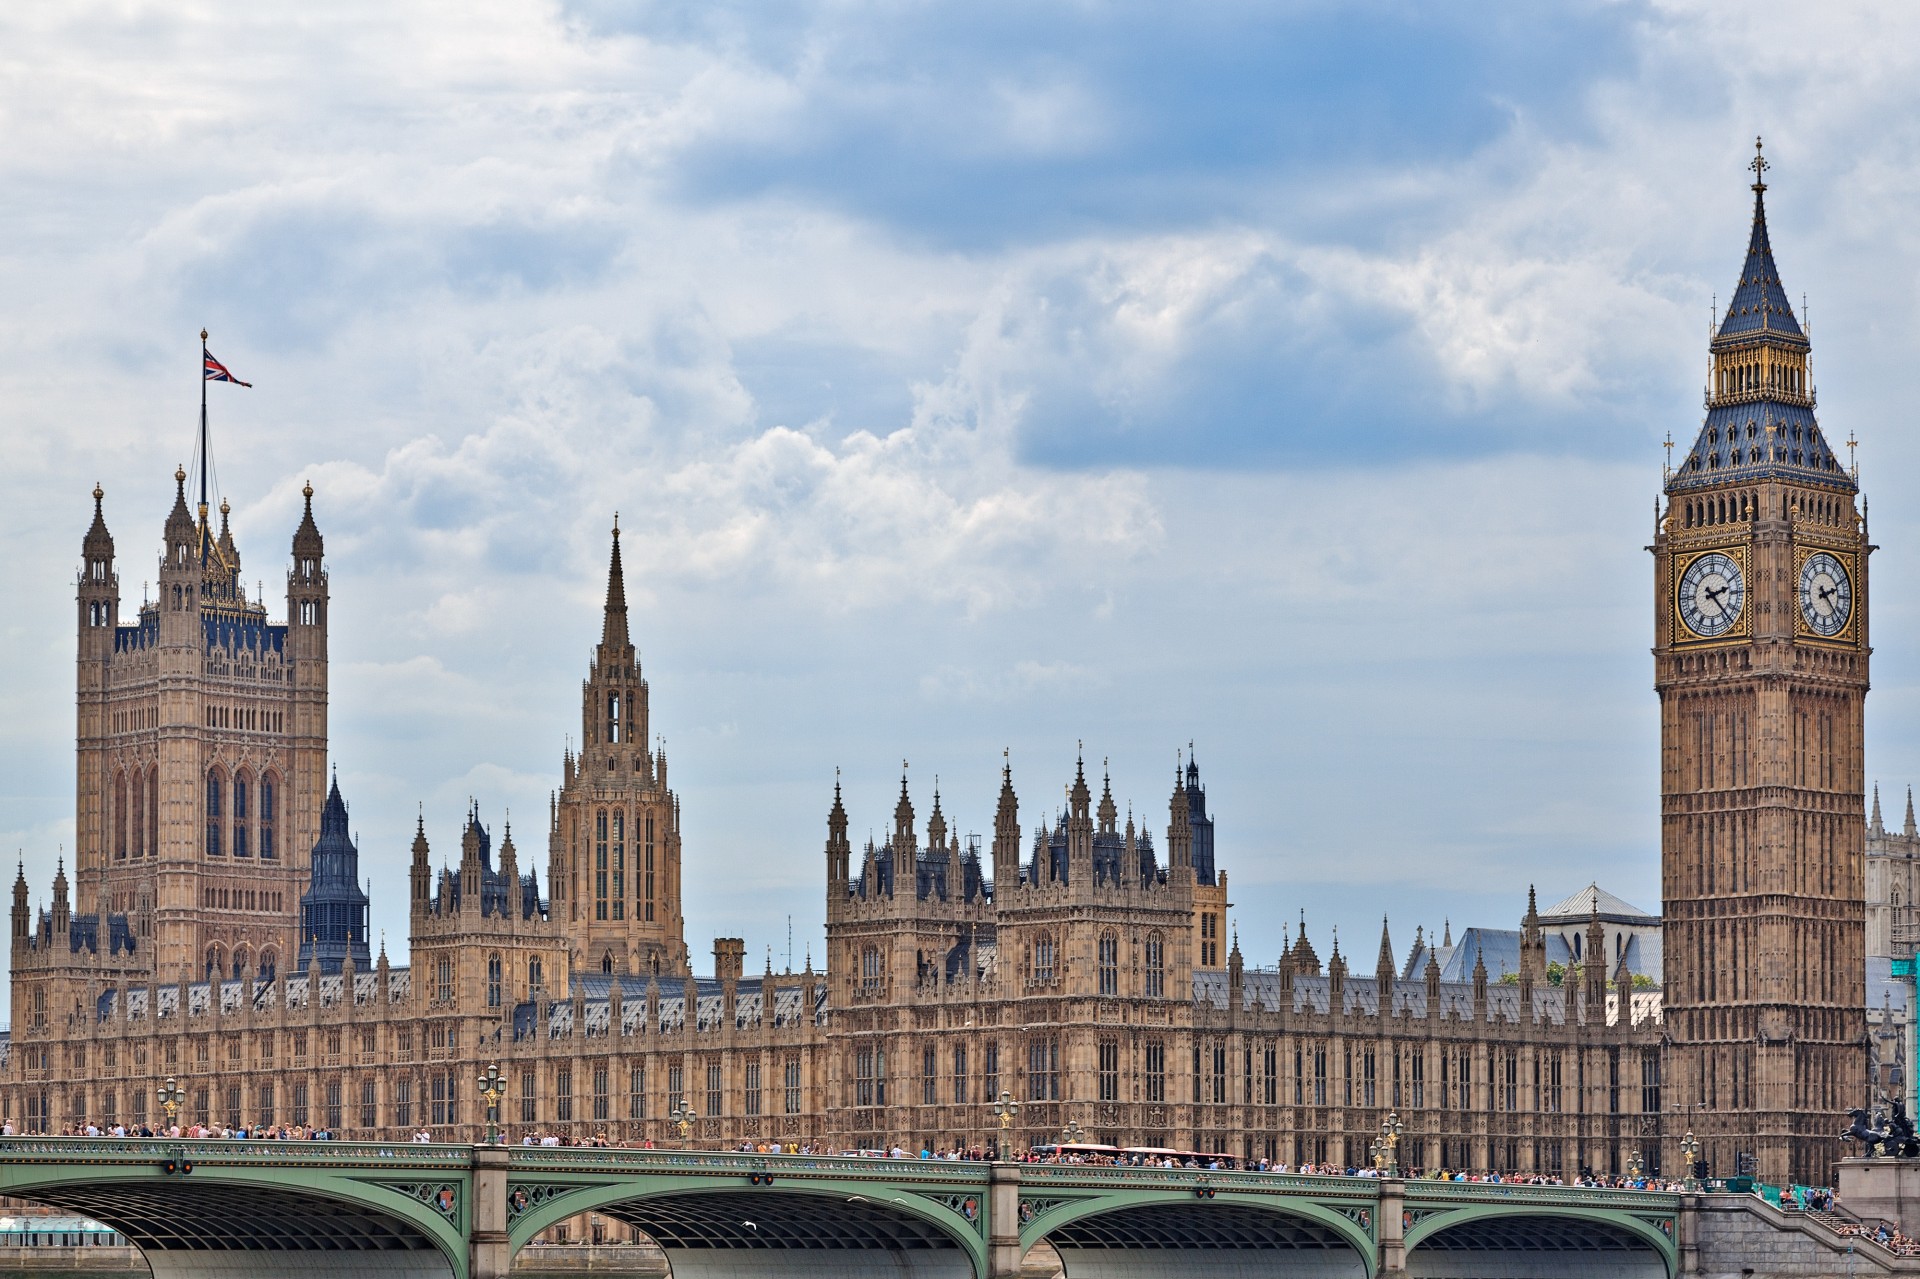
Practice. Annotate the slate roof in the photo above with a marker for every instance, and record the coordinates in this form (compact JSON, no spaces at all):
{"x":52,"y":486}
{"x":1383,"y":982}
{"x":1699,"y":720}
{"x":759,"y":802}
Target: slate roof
{"x":1759,"y":302}
{"x":1612,"y":909}
{"x":1760,"y":436}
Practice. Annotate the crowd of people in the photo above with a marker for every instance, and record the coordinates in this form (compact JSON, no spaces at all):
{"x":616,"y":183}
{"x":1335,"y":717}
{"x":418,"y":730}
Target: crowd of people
{"x":192,"y":1132}
{"x":1884,"y":1233}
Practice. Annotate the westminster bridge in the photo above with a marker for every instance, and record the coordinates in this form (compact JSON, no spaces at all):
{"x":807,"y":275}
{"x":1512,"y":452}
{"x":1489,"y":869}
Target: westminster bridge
{"x":414,"y":1211}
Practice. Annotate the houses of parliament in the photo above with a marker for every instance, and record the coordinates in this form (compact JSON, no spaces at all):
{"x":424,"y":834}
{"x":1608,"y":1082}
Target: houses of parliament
{"x":213,"y":928}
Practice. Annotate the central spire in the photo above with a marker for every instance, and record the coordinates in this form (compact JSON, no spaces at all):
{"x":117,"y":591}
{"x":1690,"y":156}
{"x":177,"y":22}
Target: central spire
{"x":614,"y":634}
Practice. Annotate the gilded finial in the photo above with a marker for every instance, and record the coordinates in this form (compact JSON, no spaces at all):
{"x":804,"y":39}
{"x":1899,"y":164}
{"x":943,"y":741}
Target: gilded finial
{"x":306,"y":490}
{"x":203,"y":335}
{"x":224,"y":508}
{"x":98,"y":493}
{"x":179,"y":474}
{"x":1759,"y":165}
{"x":616,"y":526}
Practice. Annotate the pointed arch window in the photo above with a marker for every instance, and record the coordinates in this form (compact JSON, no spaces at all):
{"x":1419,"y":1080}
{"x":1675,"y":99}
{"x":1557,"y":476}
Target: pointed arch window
{"x":240,"y":788}
{"x":870,"y":970}
{"x":120,"y":816}
{"x":443,"y":980}
{"x":600,"y":865}
{"x":619,"y":891}
{"x":1109,"y":963}
{"x":648,"y":870}
{"x":1043,"y":959}
{"x":269,"y":963}
{"x":215,"y":794}
{"x":153,"y":811}
{"x":606,"y":963}
{"x":1156,"y":966}
{"x":613,"y":717}
{"x":269,"y":788}
{"x":534,"y":981}
{"x":493,"y":981}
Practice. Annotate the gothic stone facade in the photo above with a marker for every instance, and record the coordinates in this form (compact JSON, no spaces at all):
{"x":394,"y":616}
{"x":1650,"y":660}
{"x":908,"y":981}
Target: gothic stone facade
{"x":1090,"y":980}
{"x":1079,"y":972}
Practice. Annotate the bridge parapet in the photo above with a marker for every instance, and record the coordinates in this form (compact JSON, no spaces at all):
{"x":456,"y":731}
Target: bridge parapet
{"x":600,"y":1159}
{"x":304,"y":1154}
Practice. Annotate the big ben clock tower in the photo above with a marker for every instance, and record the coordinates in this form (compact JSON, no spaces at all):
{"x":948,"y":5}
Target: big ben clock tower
{"x":1760,"y":660}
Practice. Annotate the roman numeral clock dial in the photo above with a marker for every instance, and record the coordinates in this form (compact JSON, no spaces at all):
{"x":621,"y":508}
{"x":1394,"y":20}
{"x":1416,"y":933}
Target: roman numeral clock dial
{"x":1712,"y":595}
{"x":1826,"y":594}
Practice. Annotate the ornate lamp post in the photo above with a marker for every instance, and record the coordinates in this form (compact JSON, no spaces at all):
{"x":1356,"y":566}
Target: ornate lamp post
{"x":1390,"y":1130}
{"x":1071,"y":1134}
{"x":493,"y":1086}
{"x":1690,"y":1151}
{"x":1008,"y":1109}
{"x":683,"y":1117}
{"x":170,"y":1098}
{"x":1382,"y":1153}
{"x":1636,"y":1167}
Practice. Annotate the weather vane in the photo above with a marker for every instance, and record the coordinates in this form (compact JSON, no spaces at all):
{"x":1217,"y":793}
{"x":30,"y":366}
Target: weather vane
{"x":1759,"y":165}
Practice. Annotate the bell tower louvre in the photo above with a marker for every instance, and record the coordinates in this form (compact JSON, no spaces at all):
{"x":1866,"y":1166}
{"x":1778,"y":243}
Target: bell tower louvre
{"x":1761,"y":666}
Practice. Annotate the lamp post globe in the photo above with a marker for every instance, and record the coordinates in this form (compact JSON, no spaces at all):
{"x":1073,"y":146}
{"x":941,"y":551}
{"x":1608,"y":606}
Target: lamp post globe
{"x":493,"y":1086}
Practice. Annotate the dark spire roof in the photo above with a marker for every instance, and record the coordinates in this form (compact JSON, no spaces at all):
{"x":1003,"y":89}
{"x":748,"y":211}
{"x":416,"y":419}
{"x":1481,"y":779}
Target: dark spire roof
{"x":99,"y":542}
{"x":333,"y":910}
{"x":1757,"y":428}
{"x":307,"y":541}
{"x":179,"y":520}
{"x":614,"y":634}
{"x":1759,"y":302}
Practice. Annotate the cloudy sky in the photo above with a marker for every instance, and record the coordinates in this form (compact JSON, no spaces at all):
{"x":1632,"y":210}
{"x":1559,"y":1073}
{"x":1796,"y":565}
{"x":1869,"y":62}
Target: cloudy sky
{"x":1289,"y":379}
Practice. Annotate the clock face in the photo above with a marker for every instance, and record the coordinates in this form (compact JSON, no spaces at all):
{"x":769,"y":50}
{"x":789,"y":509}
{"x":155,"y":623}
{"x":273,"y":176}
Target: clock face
{"x":1826,"y":594}
{"x":1712,"y":593}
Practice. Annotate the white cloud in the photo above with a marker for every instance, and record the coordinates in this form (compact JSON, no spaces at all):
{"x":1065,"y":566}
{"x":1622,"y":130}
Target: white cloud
{"x":884,"y":495}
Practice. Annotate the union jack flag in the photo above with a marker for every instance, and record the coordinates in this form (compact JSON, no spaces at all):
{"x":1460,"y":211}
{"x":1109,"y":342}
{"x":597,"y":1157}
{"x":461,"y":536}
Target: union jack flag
{"x":217,"y":372}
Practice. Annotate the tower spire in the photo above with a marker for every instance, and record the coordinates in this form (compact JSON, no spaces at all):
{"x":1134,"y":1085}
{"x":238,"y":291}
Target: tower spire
{"x":614,"y":635}
{"x":1760,"y":407}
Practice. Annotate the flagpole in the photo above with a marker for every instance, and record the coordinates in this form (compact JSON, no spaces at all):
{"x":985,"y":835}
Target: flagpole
{"x":203,"y":448}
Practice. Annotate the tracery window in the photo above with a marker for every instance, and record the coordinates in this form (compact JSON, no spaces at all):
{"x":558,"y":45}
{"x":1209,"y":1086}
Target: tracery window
{"x":1043,"y":1068}
{"x":215,"y":846}
{"x":120,"y":817}
{"x":600,"y":865}
{"x":1156,"y":966}
{"x":240,"y":815}
{"x":268,"y":787}
{"x":1043,"y":959}
{"x":493,"y":981}
{"x":1109,"y":963}
{"x":619,"y":893}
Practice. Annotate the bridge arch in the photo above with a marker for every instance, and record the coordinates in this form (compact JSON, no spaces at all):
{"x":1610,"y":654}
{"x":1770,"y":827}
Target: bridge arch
{"x":825,"y":1227}
{"x":1131,"y":1234}
{"x":1495,"y":1240}
{"x":224,"y":1220}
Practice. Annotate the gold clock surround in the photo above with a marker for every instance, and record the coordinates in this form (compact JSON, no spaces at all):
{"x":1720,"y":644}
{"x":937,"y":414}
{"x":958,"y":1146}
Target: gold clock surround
{"x":1742,"y":628}
{"x":1845,"y":636}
